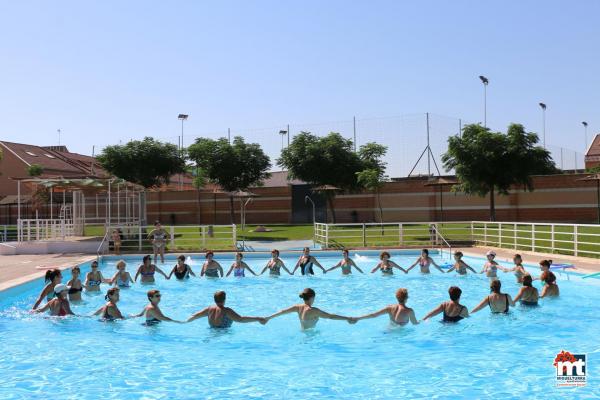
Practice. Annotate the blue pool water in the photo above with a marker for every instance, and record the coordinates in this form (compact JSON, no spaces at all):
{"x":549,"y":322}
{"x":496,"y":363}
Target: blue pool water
{"x":483,"y":356}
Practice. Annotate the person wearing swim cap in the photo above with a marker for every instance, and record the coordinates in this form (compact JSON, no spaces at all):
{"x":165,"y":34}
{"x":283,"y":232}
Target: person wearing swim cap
{"x":309,"y":315}
{"x":221,"y":317}
{"x":491,"y":267}
{"x":59,"y":306}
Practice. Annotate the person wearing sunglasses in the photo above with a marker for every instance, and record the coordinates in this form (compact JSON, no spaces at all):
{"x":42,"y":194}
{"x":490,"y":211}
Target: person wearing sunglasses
{"x":152,"y":311}
{"x":94,"y":278}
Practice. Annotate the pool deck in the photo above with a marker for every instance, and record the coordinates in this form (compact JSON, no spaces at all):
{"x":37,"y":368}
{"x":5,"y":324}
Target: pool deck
{"x":18,"y":269}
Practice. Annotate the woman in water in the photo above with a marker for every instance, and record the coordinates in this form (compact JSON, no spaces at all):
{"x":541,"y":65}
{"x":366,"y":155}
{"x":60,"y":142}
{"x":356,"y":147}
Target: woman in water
{"x":544,"y":267}
{"x":275,"y":264}
{"x":399,"y":314}
{"x":528,"y":295}
{"x":306,"y":262}
{"x":158,"y":237}
{"x":239,"y":266}
{"x":53,"y":277}
{"x":386,"y":265}
{"x":453,"y":310}
{"x":424,"y":261}
{"x":121,"y":278}
{"x":491,"y":267}
{"x":147,"y":270}
{"x":220,"y":316}
{"x":110,"y":311}
{"x":345,"y":264}
{"x":59,"y":305}
{"x":152,"y":311}
{"x":459,"y":265}
{"x":498,"y":302}
{"x":550,"y":288}
{"x":211,"y":268}
{"x":309,"y":315}
{"x":74,"y":284}
{"x":518,"y":269}
{"x":181,"y":269}
{"x":94,"y":278}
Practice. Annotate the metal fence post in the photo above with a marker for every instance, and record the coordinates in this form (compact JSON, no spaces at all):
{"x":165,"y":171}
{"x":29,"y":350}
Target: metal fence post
{"x":140,"y":237}
{"x":552,"y":237}
{"x":485,"y":243}
{"x":5,"y":234}
{"x":400,"y":235}
{"x":532,"y":237}
{"x":203,"y":234}
{"x":234,"y":234}
{"x":500,"y":234}
{"x":172,"y":232}
{"x":364,"y":236}
{"x":326,"y":236}
{"x":575,"y":240}
{"x":472,"y":232}
{"x":515,"y":235}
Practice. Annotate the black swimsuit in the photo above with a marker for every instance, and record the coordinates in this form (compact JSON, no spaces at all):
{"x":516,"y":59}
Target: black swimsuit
{"x":75,"y":290}
{"x":307,"y":268}
{"x":499,"y":312}
{"x":181,"y":275}
{"x":455,"y":318}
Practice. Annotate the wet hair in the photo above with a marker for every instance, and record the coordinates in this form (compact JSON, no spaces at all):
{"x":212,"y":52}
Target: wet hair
{"x":121,"y":262}
{"x":220,"y":297}
{"x":307,"y":294}
{"x":181,"y":257}
{"x":527,"y":280}
{"x":209,"y":253}
{"x":239,"y":253}
{"x":345,"y":251}
{"x":402,"y":295}
{"x":306,"y":248}
{"x":275,"y":251}
{"x":518,"y":256}
{"x":152,"y":292}
{"x":384,"y":253}
{"x":157,"y":222}
{"x":51,"y":274}
{"x":76,"y":268}
{"x":425,"y":251}
{"x":495,"y":286}
{"x":146,"y":258}
{"x":546,"y":263}
{"x":111,"y":292}
{"x":458,"y":253}
{"x":94,"y":262}
{"x":454,"y":292}
{"x":548,"y":277}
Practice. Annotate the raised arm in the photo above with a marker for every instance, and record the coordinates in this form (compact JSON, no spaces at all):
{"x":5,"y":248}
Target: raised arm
{"x":104,"y":280}
{"x":315,"y":262}
{"x":238,"y":318}
{"x":99,"y":311}
{"x":285,"y":268}
{"x":265,"y":268}
{"x":171,"y":273}
{"x":248,"y":268}
{"x":200,"y":314}
{"x":482,"y":304}
{"x":296,"y":266}
{"x":376,"y":267}
{"x":335,"y":266}
{"x":43,"y":293}
{"x":160,"y":271}
{"x":161,"y":317}
{"x":434,"y":312}
{"x":326,"y":315}
{"x":190,"y":271}
{"x":468,"y":267}
{"x":413,"y":265}
{"x":394,"y":265}
{"x":138,"y":315}
{"x":385,"y":310}
{"x":230,"y":269}
{"x":431,"y":260}
{"x":284,"y":311}
{"x":355,"y":266}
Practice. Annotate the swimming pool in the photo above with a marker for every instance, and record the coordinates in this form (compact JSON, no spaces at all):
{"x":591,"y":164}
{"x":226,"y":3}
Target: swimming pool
{"x":483,"y":356}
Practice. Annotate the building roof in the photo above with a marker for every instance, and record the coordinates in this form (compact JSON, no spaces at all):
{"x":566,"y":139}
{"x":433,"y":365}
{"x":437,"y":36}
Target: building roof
{"x":594,"y":149}
{"x":280,"y":178}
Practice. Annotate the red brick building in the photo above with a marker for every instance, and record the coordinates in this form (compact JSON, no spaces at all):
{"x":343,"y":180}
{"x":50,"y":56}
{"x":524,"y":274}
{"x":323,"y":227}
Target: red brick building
{"x":592,"y":156}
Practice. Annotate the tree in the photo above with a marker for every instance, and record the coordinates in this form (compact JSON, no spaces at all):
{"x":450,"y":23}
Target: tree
{"x":373,"y":176}
{"x":321,"y":161}
{"x":233,"y":166}
{"x":35,"y":170}
{"x":147,"y":162}
{"x":487,"y":162}
{"x":41,"y":194}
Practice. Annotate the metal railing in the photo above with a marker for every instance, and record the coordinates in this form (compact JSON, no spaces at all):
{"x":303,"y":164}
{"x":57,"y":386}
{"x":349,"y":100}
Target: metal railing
{"x":44,"y":229}
{"x":8,"y":233}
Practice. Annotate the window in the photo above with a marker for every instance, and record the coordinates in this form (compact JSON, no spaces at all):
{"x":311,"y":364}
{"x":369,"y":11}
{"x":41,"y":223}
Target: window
{"x":31,"y":154}
{"x":49,"y":155}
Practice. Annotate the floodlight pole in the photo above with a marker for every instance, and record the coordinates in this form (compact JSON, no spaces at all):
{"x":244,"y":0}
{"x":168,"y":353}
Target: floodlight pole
{"x":543,"y":107}
{"x":485,"y":82}
{"x":430,"y":155}
{"x":585,"y":125}
{"x":306,"y":199}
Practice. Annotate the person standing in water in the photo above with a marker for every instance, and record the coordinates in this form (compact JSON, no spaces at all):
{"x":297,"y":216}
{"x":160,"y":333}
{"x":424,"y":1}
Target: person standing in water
{"x":518,"y":269}
{"x":459,"y":265}
{"x":306,"y":262}
{"x":220,"y":316}
{"x":147,"y":270}
{"x":211,"y":268}
{"x":181,"y":269}
{"x":59,"y":306}
{"x":544,"y":267}
{"x":550,"y":288}
{"x":498,"y":302}
{"x":386,"y":265}
{"x":94,"y":279}
{"x":53,"y":277}
{"x":453,"y":310}
{"x":239,"y":266}
{"x":346,"y":264}
{"x":491,"y":267}
{"x":121,"y":278}
{"x":309,"y":315}
{"x":74,"y":284}
{"x":152,"y":312}
{"x":424,"y":261}
{"x":528,"y":295}
{"x":275,"y":264}
{"x":110,"y":311}
{"x":399,"y":314}
{"x":158,"y":238}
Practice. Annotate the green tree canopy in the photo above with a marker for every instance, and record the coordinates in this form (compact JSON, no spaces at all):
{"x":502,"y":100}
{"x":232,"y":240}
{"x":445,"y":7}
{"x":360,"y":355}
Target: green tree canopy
{"x":235,"y":166}
{"x":35,"y":170}
{"x":487,"y":162}
{"x":147,"y":162}
{"x":373,"y":176}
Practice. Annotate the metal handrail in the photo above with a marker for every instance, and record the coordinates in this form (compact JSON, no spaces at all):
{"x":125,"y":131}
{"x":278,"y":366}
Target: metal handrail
{"x":101,"y":244}
{"x":439,"y":235}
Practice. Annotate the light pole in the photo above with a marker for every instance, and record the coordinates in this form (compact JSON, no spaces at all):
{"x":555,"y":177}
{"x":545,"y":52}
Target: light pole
{"x":485,"y":82}
{"x":58,"y":130}
{"x":181,"y":117}
{"x":585,"y":124}
{"x":306,"y":200}
{"x":543,"y":107}
{"x":282,"y":133}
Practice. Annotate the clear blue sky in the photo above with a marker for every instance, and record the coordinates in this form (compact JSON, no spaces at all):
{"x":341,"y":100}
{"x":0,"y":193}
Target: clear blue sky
{"x":104,"y":71}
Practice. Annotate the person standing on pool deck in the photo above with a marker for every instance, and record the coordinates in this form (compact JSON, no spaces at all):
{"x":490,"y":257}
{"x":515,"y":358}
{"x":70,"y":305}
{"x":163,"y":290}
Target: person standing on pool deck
{"x":518,"y":269}
{"x":121,"y":278}
{"x":239,"y":266}
{"x":53,"y":277}
{"x":386,"y":265}
{"x":498,"y":302}
{"x":528,"y":295}
{"x":181,"y":269}
{"x":158,"y":237}
{"x":211,"y":268}
{"x":152,"y":311}
{"x":453,"y":310}
{"x":491,"y":267}
{"x":220,"y":316}
{"x":346,"y":264}
{"x":399,"y":314}
{"x":550,"y":288}
{"x":94,"y":279}
{"x":306,"y":262}
{"x":147,"y":270}
{"x":459,"y":265}
{"x":309,"y":315}
{"x":110,"y":311}
{"x":116,"y":237}
{"x":59,"y":305}
{"x":424,"y":261}
{"x":275,"y":264}
{"x":74,"y":284}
